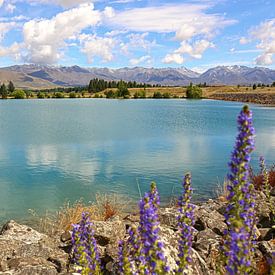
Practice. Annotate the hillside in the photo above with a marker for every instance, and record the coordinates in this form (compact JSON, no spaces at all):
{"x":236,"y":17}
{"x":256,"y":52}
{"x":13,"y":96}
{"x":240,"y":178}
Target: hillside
{"x":37,"y":76}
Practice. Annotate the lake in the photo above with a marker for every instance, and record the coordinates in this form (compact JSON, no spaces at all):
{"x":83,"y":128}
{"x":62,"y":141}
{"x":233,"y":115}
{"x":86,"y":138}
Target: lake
{"x":54,"y":150}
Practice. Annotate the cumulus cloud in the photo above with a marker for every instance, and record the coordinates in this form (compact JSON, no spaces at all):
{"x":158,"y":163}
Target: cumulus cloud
{"x":173,"y":58}
{"x":97,"y":46}
{"x":264,"y":34}
{"x":45,"y":39}
{"x":136,"y":61}
{"x":137,"y":41}
{"x":187,"y":21}
{"x":194,"y":50}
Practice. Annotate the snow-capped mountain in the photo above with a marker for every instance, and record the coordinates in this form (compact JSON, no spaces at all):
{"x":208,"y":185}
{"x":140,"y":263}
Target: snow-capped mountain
{"x":41,"y":76}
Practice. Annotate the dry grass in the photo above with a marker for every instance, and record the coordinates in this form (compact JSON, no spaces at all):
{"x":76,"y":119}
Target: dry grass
{"x":258,"y":179}
{"x":221,"y":190}
{"x":105,"y":207}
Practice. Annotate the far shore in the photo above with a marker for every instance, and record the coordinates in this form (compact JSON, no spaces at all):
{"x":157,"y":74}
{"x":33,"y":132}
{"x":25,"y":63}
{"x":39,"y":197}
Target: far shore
{"x":260,"y":95}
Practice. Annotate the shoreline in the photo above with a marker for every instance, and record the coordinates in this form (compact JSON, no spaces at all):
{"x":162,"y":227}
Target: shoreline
{"x":24,"y":250}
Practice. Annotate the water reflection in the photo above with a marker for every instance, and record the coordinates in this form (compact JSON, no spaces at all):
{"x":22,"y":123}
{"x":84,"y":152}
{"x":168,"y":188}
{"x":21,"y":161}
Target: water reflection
{"x":58,"y":150}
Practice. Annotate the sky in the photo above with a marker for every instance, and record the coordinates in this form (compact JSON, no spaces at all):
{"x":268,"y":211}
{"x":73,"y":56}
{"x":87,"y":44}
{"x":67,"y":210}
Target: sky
{"x":148,"y":33}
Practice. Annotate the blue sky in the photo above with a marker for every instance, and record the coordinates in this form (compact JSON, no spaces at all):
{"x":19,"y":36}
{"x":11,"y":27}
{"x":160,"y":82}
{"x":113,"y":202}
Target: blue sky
{"x":149,"y":33}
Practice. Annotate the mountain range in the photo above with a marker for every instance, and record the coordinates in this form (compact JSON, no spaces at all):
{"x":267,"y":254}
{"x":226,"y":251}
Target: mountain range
{"x":40,"y":76}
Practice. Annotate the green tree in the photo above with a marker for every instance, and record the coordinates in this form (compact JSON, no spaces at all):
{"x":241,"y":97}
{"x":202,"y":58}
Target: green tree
{"x":72,"y":95}
{"x":122,"y":90}
{"x":194,"y":92}
{"x":58,"y":95}
{"x":3,"y":91}
{"x":11,"y":87}
{"x":254,"y":86}
{"x":19,"y":94}
{"x":40,"y":95}
{"x":157,"y":95}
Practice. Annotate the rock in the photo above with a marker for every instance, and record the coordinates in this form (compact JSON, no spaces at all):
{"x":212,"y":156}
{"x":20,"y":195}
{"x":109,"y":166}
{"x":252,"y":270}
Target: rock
{"x":168,"y":217}
{"x":23,"y":250}
{"x":209,"y":219}
{"x":208,"y":246}
{"x":266,"y":234}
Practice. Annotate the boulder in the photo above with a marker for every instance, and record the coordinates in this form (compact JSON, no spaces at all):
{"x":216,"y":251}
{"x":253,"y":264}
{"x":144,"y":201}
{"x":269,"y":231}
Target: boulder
{"x":23,"y":250}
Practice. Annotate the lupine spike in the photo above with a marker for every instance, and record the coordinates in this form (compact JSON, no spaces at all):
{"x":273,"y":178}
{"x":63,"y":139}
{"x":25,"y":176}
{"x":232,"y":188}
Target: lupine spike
{"x":151,"y":257}
{"x":240,"y":210}
{"x":86,"y":256}
{"x":185,"y":225}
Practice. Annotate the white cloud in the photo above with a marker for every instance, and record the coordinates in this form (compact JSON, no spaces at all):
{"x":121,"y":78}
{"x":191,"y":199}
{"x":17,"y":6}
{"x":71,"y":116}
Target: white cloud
{"x":45,"y":39}
{"x":12,"y":51}
{"x":5,"y":27}
{"x":97,"y":46}
{"x":187,"y":21}
{"x":10,"y":8}
{"x":136,"y":61}
{"x":137,"y":41}
{"x":1,"y":3}
{"x":194,"y":50}
{"x":173,"y":58}
{"x":244,"y":40}
{"x":264,"y":34}
{"x":109,"y":12}
{"x":63,"y":3}
{"x":170,"y":18}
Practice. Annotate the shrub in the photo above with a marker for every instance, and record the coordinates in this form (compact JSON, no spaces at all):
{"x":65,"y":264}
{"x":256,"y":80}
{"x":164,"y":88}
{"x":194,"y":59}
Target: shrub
{"x":72,"y":95}
{"x":166,"y":95}
{"x":157,"y":95}
{"x":140,"y":94}
{"x":194,"y":92}
{"x":41,"y":95}
{"x":19,"y":94}
{"x":110,"y":94}
{"x":58,"y":95}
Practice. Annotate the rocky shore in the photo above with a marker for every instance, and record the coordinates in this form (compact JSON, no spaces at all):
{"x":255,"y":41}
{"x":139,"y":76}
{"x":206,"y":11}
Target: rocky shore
{"x":257,"y":98}
{"x":23,"y":250}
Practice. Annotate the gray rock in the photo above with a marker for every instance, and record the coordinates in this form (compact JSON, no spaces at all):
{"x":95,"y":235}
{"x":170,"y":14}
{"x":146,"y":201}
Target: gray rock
{"x":23,"y":250}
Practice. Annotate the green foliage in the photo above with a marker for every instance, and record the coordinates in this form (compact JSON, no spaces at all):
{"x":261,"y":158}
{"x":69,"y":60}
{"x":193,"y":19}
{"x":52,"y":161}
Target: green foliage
{"x":41,"y":95}
{"x":157,"y":95}
{"x":28,"y":94}
{"x":254,"y":87}
{"x":193,"y":92}
{"x":19,"y":94}
{"x":11,"y":87}
{"x":3,"y":91}
{"x":58,"y":95}
{"x":122,"y":89}
{"x":72,"y":95}
{"x":273,"y":84}
{"x":166,"y":95}
{"x":110,"y":94}
{"x":140,"y":94}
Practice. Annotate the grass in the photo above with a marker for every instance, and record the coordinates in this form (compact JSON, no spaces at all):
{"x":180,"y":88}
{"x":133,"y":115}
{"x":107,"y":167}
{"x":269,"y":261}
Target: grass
{"x":105,"y":207}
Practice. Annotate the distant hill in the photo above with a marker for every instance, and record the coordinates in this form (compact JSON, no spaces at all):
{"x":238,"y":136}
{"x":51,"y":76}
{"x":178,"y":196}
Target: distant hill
{"x":39,"y":76}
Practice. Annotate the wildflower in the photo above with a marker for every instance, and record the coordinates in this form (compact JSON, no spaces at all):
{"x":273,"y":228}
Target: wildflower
{"x":185,"y":225}
{"x":151,"y":258}
{"x":240,"y":210}
{"x":85,"y":253}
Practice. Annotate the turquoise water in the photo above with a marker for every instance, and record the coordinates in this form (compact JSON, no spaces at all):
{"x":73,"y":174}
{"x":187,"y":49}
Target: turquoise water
{"x":53,"y":150}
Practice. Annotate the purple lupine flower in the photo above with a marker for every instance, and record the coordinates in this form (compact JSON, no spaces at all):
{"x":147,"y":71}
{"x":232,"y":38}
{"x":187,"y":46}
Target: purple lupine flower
{"x":185,"y":225}
{"x":85,"y":252}
{"x":240,"y":215}
{"x":151,"y":256}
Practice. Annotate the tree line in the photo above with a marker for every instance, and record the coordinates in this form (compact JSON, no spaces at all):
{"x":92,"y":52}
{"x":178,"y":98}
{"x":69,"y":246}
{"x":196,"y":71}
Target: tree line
{"x":98,"y":85}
